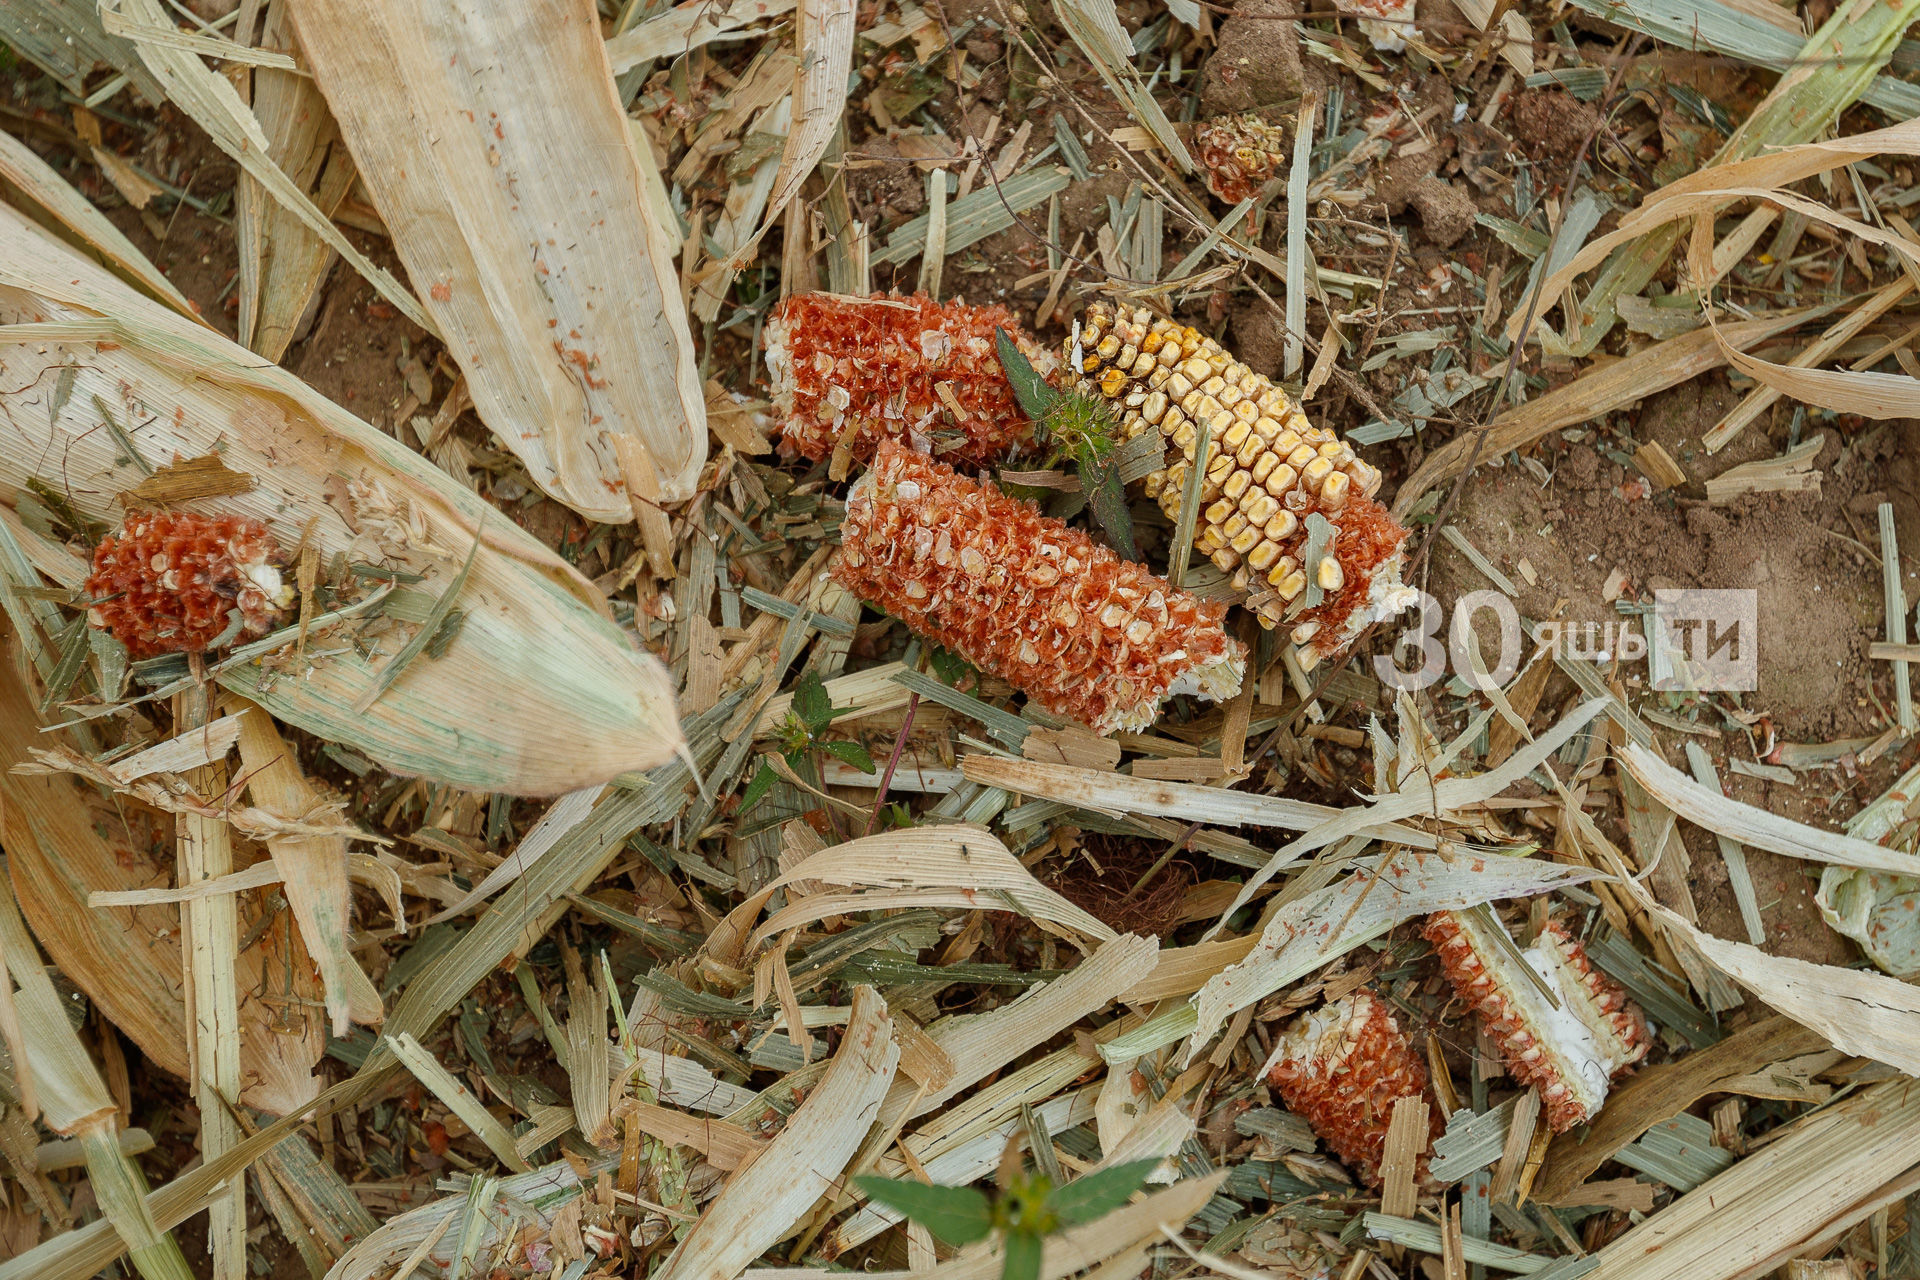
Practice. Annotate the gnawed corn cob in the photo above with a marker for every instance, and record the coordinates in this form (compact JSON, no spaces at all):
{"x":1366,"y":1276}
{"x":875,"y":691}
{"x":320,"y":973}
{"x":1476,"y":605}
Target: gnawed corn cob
{"x":865,"y":370}
{"x":1269,"y":472}
{"x":1024,"y":597}
{"x":1341,"y":1068}
{"x":1240,"y":155}
{"x":1569,"y":1053}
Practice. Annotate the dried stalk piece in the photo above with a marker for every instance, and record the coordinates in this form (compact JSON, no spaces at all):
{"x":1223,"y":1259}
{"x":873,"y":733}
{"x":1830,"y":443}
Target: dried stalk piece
{"x":1341,"y":1068}
{"x":170,"y":581}
{"x":1024,"y":597}
{"x":1269,"y":473}
{"x":865,"y":370}
{"x":1240,"y":154}
{"x":1570,"y":1052}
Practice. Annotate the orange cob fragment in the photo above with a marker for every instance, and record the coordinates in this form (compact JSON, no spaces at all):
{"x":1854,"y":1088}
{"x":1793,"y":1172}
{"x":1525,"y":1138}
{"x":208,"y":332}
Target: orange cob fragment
{"x":1569,"y":1053}
{"x":1270,"y":476}
{"x":182,"y":582}
{"x":1341,"y":1068}
{"x":1240,"y":155}
{"x":865,"y":370}
{"x":1027,"y":598}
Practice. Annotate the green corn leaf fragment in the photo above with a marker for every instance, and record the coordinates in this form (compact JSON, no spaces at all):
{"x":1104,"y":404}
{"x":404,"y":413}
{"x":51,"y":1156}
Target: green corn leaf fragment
{"x":958,"y":1215}
{"x":1098,"y":1194}
{"x":1029,"y":388}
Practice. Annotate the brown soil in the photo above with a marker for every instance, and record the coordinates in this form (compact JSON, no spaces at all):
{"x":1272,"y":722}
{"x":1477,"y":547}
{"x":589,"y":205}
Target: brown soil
{"x":1819,"y":606}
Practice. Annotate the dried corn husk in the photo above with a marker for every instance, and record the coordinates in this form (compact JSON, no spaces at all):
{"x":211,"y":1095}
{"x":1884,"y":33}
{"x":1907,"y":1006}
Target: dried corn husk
{"x":427,"y":1232}
{"x":74,"y":1100}
{"x":960,"y":867}
{"x":63,"y":843}
{"x":1821,"y":1175}
{"x":314,"y":867}
{"x":53,"y":202}
{"x":533,"y":695}
{"x":282,"y":260}
{"x":762,"y":1202}
{"x":494,"y":145}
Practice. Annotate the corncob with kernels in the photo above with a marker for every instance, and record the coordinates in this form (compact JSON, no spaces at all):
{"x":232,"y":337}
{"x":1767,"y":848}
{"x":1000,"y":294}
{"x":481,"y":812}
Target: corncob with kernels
{"x":1239,"y":155}
{"x":1570,"y":1053}
{"x":1269,"y":473}
{"x":1025,"y":597}
{"x":1341,"y":1068}
{"x":863,"y":370}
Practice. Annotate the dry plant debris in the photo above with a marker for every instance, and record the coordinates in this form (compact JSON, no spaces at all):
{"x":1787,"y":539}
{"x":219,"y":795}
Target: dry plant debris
{"x":590,"y":692}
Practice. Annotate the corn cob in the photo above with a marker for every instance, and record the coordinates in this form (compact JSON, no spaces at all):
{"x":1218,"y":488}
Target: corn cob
{"x":1024,"y":597}
{"x":1269,"y":472}
{"x":1569,"y":1053}
{"x":864,"y":370}
{"x":1240,"y":155}
{"x":170,"y":581}
{"x":1341,"y":1068}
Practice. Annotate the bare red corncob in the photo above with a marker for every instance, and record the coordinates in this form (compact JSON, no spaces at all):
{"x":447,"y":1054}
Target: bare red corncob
{"x":170,"y":581}
{"x":1240,"y":155}
{"x":1024,"y":597}
{"x":889,"y":367}
{"x":1341,"y":1068}
{"x":1569,"y":1053}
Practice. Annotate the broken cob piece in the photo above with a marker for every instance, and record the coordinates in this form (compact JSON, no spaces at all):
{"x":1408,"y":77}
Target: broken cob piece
{"x":1024,"y":597}
{"x":863,"y":370}
{"x":1240,"y":155}
{"x":1341,"y":1068}
{"x":1569,"y":1053}
{"x":1269,"y":473}
{"x":174,"y":581}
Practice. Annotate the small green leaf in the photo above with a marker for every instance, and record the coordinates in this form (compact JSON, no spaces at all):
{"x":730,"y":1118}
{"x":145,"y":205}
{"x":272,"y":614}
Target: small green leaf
{"x":1035,"y":396}
{"x":1021,"y":1251}
{"x":1100,"y":481}
{"x":850,"y":753}
{"x":762,"y":783}
{"x":949,"y":666}
{"x":1099,"y":1193}
{"x":958,"y":1215}
{"x":811,"y":703}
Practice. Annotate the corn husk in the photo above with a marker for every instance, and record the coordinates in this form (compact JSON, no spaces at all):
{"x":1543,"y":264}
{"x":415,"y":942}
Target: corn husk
{"x":433,"y":1232}
{"x":74,"y":1101}
{"x":64,"y":842}
{"x":761,"y":1204}
{"x":495,"y":148}
{"x":32,"y":183}
{"x":958,"y":867}
{"x":211,"y":101}
{"x":282,"y":260}
{"x":534,"y":694}
{"x":1824,"y":1174}
{"x":313,"y":868}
